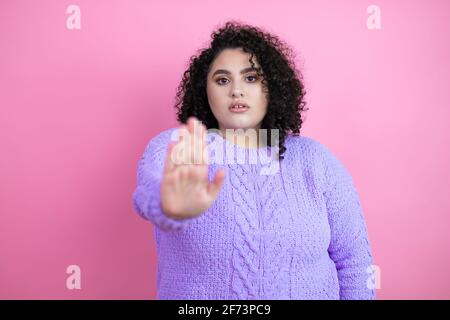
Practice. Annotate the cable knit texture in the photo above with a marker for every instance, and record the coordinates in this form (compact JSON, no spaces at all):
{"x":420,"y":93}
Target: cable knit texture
{"x":289,"y":229}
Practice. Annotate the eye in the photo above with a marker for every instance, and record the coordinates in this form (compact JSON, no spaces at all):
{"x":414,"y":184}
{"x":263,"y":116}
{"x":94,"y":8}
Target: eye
{"x":219,"y":81}
{"x":254,"y":77}
{"x":222,"y":81}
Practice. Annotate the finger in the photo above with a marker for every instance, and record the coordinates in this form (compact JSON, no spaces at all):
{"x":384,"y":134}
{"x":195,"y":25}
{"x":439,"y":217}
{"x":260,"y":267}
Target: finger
{"x":216,"y":184}
{"x":193,"y":146}
{"x":188,"y":141}
{"x":194,"y":142}
{"x":204,"y":136}
{"x":184,"y":149}
{"x":202,"y":132}
{"x":183,"y":132}
{"x":190,"y":124}
{"x":169,"y":164}
{"x":197,"y":127}
{"x":204,"y":147}
{"x":198,"y":144}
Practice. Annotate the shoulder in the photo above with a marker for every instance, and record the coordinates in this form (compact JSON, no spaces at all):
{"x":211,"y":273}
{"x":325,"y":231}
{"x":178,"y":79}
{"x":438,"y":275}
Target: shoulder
{"x":157,"y":145}
{"x":315,"y":155}
{"x":306,"y":147}
{"x":163,"y":138}
{"x":166,"y":135}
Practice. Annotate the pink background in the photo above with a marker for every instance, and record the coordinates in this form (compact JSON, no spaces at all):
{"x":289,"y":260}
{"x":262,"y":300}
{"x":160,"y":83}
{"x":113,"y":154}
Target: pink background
{"x":77,"y":108}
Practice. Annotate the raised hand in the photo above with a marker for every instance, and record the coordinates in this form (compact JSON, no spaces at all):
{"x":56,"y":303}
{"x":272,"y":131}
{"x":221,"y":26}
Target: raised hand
{"x":185,"y":189}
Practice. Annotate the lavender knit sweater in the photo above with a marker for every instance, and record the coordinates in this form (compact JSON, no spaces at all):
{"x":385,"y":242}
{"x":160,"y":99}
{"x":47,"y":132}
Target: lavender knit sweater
{"x":289,"y":229}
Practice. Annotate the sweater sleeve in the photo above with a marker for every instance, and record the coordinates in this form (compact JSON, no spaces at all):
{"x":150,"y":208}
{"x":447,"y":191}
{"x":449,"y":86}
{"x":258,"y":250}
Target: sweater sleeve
{"x":146,"y":197}
{"x":349,"y":246}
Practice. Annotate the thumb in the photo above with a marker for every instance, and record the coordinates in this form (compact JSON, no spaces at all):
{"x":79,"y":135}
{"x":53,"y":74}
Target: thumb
{"x":216,"y":184}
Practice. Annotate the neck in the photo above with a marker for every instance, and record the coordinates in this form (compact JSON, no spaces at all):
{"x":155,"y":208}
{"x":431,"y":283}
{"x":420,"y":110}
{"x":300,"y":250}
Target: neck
{"x":241,"y":138}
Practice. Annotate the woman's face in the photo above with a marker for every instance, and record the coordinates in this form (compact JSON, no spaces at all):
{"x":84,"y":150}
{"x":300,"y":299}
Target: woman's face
{"x":232,"y":80}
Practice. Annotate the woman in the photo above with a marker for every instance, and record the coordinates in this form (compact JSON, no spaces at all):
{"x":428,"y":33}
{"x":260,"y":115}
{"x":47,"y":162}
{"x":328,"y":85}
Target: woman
{"x":291,"y":228}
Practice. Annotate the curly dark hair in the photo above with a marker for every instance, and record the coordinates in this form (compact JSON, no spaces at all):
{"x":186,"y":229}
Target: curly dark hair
{"x":286,"y":90}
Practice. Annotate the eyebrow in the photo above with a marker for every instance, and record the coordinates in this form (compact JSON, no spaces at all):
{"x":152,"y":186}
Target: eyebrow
{"x":243,"y":71}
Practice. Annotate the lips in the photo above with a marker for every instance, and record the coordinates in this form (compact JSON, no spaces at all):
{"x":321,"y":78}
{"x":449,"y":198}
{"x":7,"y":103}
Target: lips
{"x":238,"y":107}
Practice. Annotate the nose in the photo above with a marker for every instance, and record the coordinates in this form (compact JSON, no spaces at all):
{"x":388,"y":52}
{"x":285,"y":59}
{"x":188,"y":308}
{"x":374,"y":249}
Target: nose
{"x":236,"y":93}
